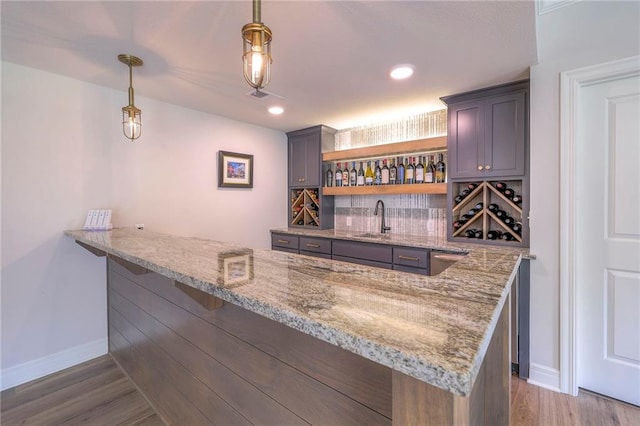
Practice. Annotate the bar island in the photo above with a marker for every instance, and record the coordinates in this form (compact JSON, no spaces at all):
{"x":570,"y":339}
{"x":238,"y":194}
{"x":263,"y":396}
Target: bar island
{"x":216,"y":333}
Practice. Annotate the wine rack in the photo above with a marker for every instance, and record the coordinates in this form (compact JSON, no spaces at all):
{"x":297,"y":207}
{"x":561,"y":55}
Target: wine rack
{"x":305,"y":207}
{"x":489,"y":211}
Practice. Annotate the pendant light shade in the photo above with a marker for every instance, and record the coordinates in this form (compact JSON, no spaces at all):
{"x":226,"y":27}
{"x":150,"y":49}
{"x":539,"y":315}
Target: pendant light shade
{"x":256,"y":55}
{"x":131,"y":116}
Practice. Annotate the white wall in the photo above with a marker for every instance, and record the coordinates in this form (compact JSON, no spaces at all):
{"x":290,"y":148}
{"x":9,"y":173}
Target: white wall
{"x":581,"y":34}
{"x":63,"y":153}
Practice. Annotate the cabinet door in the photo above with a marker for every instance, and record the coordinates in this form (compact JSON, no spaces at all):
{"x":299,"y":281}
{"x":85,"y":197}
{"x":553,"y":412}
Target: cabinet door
{"x":505,"y":135}
{"x":305,"y":160}
{"x":465,"y":141}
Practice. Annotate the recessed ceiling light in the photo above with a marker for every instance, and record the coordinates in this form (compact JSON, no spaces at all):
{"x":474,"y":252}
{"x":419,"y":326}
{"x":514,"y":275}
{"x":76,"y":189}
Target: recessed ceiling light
{"x":400,"y":72}
{"x":276,"y":110}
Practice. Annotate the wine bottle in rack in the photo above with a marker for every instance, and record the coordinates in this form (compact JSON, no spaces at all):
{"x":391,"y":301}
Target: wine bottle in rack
{"x":507,"y":237}
{"x":329,"y":177}
{"x":458,"y":199}
{"x":459,"y":223}
{"x":517,"y":199}
{"x":400,"y":175}
{"x":493,"y":207}
{"x":508,"y":220}
{"x":338,"y":175}
{"x":494,"y":235}
{"x":517,"y":227}
{"x":360,"y":178}
{"x":470,"y":233}
{"x":478,"y":206}
{"x":384,"y":176}
{"x":353,"y":175}
{"x":509,"y":193}
{"x":441,"y":169}
{"x":478,"y":234}
{"x":500,"y":186}
{"x":393,"y":172}
{"x":419,"y":178}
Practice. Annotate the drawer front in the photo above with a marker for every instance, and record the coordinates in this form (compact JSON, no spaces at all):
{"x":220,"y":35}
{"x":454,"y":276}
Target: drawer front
{"x":316,"y":254}
{"x":284,"y":240}
{"x":415,"y":258}
{"x":362,"y":261}
{"x":402,"y":268}
{"x":365,"y":251}
{"x":318,"y":245}
{"x":285,"y":249}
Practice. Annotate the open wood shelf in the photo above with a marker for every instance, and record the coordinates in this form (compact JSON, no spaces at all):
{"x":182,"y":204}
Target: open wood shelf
{"x":387,"y":150}
{"x":418,"y":188}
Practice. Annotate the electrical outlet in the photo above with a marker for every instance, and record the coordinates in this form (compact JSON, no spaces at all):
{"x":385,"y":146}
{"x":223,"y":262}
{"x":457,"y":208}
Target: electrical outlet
{"x":140,"y":226}
{"x":349,"y":221}
{"x":431,"y":226}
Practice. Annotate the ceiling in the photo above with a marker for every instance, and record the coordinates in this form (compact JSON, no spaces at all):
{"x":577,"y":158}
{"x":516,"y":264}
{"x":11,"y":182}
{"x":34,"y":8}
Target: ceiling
{"x":331,"y":59}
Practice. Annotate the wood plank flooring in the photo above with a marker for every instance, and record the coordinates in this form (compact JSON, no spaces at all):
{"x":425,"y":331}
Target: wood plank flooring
{"x":98,"y":393}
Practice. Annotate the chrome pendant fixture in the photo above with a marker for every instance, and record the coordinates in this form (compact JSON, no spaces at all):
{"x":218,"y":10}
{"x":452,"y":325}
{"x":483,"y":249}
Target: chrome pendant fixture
{"x":256,"y":55}
{"x":131,"y":116}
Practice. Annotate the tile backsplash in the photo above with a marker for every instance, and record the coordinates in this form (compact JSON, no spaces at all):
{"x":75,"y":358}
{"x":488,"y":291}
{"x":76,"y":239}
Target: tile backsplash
{"x":410,"y":214}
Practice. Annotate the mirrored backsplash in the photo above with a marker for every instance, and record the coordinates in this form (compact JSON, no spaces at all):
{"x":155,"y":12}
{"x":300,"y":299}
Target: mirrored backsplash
{"x":410,"y":214}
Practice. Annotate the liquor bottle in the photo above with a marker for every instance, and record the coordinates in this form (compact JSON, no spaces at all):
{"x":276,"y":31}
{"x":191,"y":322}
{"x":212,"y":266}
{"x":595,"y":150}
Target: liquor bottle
{"x":385,"y":173}
{"x":393,"y":172}
{"x":368,"y":174}
{"x":360,"y":178}
{"x":430,"y":176}
{"x":517,"y":199}
{"x":419,"y":178}
{"x":494,"y":235}
{"x":377,"y":174}
{"x":345,"y":175}
{"x":353,"y":175}
{"x":500,"y":186}
{"x":329,"y":177}
{"x":441,"y":170}
{"x":338,"y":175}
{"x":509,"y":193}
{"x":400,"y":175}
{"x":408,"y":171}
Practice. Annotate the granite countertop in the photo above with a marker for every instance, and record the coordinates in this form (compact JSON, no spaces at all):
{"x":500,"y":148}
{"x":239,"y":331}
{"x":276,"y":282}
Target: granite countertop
{"x":436,"y":329}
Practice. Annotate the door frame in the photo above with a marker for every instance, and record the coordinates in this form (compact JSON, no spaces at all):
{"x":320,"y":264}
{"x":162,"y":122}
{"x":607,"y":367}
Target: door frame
{"x":571,"y":84}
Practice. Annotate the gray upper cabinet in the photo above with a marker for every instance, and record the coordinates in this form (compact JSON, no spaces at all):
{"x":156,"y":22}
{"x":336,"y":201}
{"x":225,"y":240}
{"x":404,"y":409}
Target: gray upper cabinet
{"x":305,"y":155}
{"x":487,"y":134}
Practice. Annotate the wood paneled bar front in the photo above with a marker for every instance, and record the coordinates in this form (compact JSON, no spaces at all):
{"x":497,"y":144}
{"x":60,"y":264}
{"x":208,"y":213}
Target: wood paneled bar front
{"x":216,"y":334}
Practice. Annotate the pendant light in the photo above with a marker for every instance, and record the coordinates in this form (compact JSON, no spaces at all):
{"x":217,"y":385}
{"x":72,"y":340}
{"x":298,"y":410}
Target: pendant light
{"x":256,"y":55}
{"x":131,"y":116}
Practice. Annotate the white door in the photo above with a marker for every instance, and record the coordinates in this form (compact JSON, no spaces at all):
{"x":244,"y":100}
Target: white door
{"x":608,"y":238}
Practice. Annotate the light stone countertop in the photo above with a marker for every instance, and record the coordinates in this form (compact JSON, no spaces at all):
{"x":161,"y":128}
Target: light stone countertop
{"x":436,"y":329}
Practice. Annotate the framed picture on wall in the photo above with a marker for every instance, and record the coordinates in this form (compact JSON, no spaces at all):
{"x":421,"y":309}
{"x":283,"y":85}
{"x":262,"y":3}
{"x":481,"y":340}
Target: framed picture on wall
{"x":235,"y":170}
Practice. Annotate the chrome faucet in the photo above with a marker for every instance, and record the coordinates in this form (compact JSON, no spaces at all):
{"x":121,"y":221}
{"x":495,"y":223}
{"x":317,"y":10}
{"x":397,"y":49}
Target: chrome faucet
{"x":383,"y":227}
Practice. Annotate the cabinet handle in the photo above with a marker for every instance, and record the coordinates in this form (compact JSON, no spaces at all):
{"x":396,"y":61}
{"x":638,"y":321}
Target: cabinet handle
{"x":313,"y":245}
{"x":480,"y":167}
{"x":413,"y":259}
{"x":283,"y":241}
{"x":487,"y":167}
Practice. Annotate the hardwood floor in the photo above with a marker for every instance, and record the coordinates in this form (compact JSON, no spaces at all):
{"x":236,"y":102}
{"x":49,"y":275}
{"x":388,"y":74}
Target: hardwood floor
{"x":98,"y":393}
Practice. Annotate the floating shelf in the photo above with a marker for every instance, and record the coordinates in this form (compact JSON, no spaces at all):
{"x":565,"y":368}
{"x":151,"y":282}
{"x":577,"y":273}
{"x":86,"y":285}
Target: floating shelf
{"x":387,"y":150}
{"x":418,"y":188}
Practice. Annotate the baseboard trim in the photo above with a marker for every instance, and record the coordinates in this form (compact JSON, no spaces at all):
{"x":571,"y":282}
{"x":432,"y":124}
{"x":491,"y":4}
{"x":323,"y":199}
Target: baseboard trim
{"x":31,"y":370}
{"x":545,"y":377}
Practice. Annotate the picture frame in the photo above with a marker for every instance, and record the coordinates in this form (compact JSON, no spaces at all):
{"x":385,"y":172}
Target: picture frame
{"x":235,"y":170}
{"x":236,"y":267}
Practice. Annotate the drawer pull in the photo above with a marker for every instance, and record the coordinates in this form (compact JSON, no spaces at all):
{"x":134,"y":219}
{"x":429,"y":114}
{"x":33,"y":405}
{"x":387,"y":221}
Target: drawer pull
{"x":413,"y":259}
{"x":284,"y":241}
{"x":313,"y":245}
